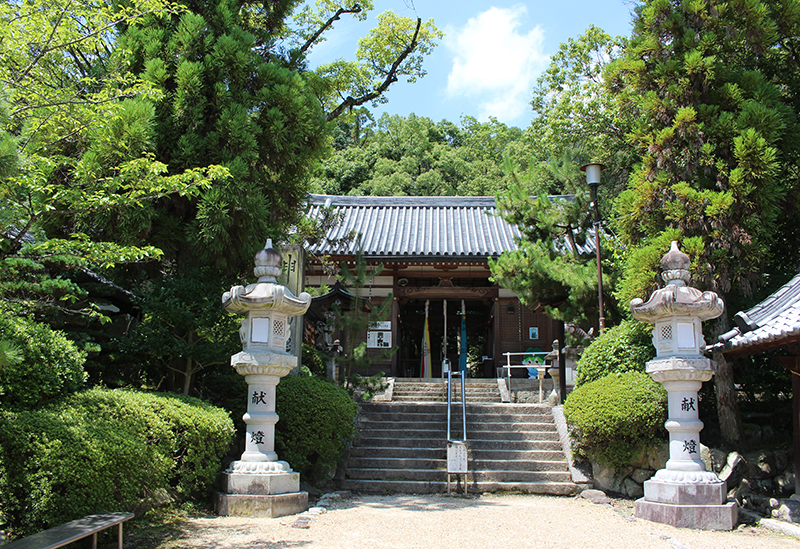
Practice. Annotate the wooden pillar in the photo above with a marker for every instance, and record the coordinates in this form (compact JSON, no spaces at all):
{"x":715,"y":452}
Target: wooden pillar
{"x":396,"y":335}
{"x":792,"y":363}
{"x":562,"y":361}
{"x":796,"y":425}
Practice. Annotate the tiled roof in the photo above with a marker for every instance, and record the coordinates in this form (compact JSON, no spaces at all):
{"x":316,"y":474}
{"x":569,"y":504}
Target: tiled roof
{"x":774,"y":320}
{"x":419,"y":227}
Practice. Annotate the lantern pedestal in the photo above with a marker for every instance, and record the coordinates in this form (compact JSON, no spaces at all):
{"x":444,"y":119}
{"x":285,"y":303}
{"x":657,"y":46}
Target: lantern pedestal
{"x":259,"y":484}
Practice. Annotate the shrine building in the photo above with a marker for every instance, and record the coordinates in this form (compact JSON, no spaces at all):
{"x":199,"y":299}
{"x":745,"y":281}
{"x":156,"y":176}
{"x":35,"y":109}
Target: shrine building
{"x":434,"y":250}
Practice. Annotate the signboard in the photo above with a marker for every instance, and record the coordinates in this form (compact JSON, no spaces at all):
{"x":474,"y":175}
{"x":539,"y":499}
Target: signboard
{"x":456,"y":458}
{"x":382,"y":325}
{"x":533,"y":333}
{"x":379,"y":340}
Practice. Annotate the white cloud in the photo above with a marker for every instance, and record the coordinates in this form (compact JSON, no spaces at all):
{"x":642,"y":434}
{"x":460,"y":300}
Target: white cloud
{"x":494,"y":64}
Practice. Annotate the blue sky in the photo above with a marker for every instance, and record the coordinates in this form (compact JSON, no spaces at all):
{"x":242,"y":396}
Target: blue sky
{"x":491,"y":54}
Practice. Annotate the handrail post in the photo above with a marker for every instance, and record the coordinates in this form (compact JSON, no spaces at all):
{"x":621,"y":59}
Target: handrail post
{"x":508,"y":372}
{"x":463,"y":409}
{"x":449,"y":403}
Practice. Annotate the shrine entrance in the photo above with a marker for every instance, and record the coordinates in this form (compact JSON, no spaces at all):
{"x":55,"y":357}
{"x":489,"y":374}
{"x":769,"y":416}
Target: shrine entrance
{"x":480,"y":341}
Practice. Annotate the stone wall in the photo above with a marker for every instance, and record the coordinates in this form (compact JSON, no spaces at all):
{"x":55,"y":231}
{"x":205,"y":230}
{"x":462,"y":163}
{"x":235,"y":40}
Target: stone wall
{"x":753,"y":478}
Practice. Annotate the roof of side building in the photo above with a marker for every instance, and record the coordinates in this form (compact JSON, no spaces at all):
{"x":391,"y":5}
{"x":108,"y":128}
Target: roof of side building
{"x":774,"y":321}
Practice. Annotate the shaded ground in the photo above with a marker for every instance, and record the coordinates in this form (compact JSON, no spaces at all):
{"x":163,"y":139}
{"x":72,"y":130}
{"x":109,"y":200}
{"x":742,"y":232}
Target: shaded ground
{"x":438,"y":521}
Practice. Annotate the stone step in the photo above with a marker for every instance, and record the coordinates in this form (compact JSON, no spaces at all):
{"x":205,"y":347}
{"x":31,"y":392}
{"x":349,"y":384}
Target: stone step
{"x":440,"y":453}
{"x":521,"y":445}
{"x":441,"y":407}
{"x":405,"y":433}
{"x":428,"y":475}
{"x":401,"y":447}
{"x":374,"y":462}
{"x":438,"y":487}
{"x":366,"y":424}
{"x":472,"y":417}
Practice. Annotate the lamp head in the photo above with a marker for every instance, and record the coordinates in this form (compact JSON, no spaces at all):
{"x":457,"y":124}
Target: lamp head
{"x":593,"y":173}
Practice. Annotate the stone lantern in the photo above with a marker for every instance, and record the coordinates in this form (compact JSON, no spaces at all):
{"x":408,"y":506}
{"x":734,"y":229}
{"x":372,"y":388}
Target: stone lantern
{"x":683,"y":494}
{"x":258,"y":484}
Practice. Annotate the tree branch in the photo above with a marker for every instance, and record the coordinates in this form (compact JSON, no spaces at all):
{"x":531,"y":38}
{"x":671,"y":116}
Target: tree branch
{"x":335,"y":17}
{"x":391,"y":77}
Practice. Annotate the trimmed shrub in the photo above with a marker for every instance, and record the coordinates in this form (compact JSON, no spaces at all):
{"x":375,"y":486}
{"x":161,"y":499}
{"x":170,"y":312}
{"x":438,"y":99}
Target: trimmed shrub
{"x":623,"y":348}
{"x":317,"y":420}
{"x":614,"y":416}
{"x":50,"y":366}
{"x":102,"y":451}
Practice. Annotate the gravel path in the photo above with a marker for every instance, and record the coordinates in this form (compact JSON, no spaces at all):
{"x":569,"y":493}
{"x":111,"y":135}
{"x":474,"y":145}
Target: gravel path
{"x":437,"y":521}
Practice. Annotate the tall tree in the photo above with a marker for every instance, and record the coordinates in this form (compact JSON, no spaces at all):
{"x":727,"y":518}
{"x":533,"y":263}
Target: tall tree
{"x":554,"y":267}
{"x":75,"y":142}
{"x":716,"y":129}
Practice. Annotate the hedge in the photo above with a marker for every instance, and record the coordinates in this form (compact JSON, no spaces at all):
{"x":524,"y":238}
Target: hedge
{"x":614,"y":416}
{"x":317,"y":421}
{"x":102,"y":451}
{"x":51,"y":365}
{"x":623,"y":348}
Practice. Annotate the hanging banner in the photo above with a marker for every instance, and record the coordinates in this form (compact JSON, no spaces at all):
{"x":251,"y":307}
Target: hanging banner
{"x":462,"y":359}
{"x":425,"y":371}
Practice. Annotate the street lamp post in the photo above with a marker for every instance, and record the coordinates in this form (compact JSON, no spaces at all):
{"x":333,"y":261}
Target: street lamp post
{"x":593,"y":180}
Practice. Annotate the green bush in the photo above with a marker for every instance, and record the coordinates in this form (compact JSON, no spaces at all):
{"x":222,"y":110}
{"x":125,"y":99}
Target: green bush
{"x":316,"y":423}
{"x":50,"y":365}
{"x":614,"y":416}
{"x":623,"y":348}
{"x":315,"y":360}
{"x":101,"y":451}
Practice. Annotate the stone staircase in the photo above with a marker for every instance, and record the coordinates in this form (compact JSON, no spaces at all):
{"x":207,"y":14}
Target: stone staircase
{"x":401,"y":447}
{"x":433,"y":390}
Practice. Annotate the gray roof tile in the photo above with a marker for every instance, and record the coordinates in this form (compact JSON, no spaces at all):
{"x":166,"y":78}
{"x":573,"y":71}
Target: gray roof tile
{"x":421,"y":227}
{"x":773,"y":320}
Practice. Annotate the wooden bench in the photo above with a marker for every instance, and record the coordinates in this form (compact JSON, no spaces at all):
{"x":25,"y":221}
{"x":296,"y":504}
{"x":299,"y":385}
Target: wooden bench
{"x":73,"y":531}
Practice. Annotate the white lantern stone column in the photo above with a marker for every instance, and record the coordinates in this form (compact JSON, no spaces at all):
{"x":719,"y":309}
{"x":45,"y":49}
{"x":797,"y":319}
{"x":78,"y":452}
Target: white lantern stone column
{"x":259,"y":484}
{"x":683,"y":494}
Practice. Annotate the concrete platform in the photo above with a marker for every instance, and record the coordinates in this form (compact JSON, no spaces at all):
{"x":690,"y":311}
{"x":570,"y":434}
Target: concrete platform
{"x":700,"y":517}
{"x":261,"y":505}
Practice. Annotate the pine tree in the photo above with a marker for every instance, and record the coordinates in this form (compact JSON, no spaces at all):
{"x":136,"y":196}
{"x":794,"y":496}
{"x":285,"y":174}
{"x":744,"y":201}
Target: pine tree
{"x":225,"y":102}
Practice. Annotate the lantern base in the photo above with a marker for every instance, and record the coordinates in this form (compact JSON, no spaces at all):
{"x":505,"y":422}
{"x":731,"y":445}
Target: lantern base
{"x":261,"y":495}
{"x":260,"y":484}
{"x":702,"y":506}
{"x":699,"y":517}
{"x":261,"y":505}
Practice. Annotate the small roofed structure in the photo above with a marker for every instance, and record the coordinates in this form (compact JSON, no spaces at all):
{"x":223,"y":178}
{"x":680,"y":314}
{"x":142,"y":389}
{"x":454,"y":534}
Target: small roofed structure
{"x":772,"y":324}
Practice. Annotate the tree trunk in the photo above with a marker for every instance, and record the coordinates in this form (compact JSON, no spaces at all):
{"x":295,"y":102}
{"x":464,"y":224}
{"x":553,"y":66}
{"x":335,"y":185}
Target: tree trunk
{"x":728,"y":410}
{"x":730,"y":422}
{"x":187,"y":376}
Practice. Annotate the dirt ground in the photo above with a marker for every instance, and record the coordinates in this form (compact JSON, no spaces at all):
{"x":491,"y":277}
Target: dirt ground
{"x":439,"y":521}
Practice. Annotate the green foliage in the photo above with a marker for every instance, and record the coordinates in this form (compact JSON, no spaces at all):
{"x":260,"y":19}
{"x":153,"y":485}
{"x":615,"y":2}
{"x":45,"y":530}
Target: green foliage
{"x":574,"y":111}
{"x":101,"y":451}
{"x":715,"y":125}
{"x":317,"y":422}
{"x":415,"y":156}
{"x":354,"y":322}
{"x":614,"y":416}
{"x":315,"y":361}
{"x":183,"y":330}
{"x":623,"y":348}
{"x":47,"y":364}
{"x":552,"y":267}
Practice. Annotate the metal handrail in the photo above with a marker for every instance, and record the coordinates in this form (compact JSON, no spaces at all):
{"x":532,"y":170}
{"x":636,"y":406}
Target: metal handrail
{"x":508,"y":365}
{"x":450,"y":402}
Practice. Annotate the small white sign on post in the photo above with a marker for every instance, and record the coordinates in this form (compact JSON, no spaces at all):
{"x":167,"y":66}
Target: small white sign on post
{"x":456,"y":458}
